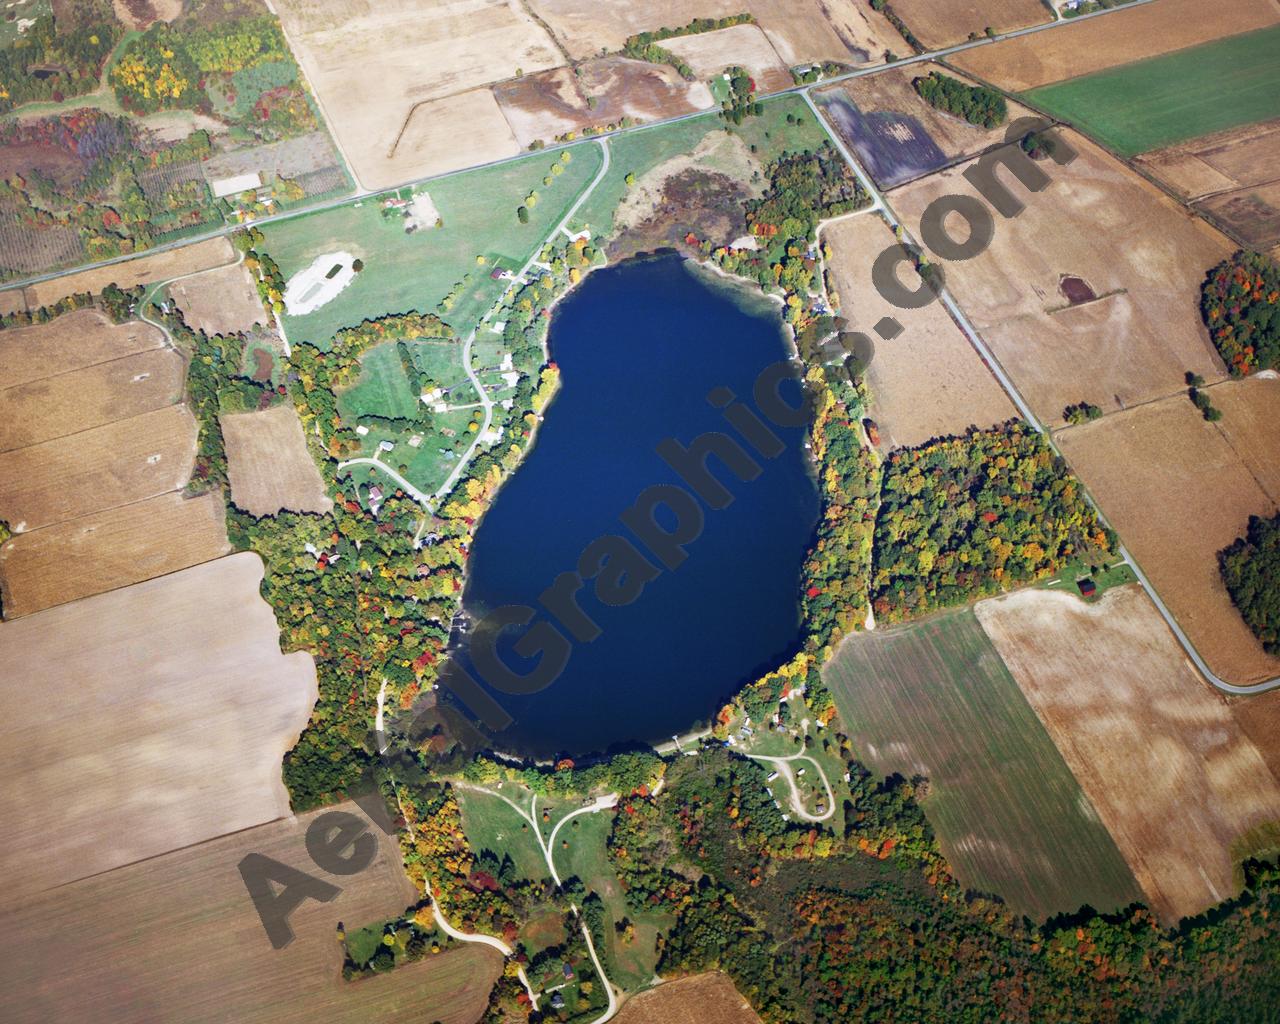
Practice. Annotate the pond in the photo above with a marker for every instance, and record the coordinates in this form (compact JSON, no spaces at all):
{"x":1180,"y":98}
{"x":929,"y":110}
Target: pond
{"x":639,"y":347}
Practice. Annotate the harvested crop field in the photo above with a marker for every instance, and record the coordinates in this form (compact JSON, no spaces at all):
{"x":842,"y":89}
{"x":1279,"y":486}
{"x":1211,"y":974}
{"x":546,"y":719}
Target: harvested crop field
{"x":445,"y":135}
{"x":1173,"y":777}
{"x":222,"y":301}
{"x":1140,"y":337}
{"x":70,"y":342}
{"x":115,"y":464}
{"x":372,"y":64}
{"x":109,"y":549}
{"x":161,"y":726}
{"x":41,"y":410}
{"x":1171,"y":98}
{"x":1259,"y":717}
{"x":934,"y":699}
{"x":697,"y":999}
{"x":12,"y":301}
{"x":268,"y":464}
{"x":899,"y":136}
{"x":176,"y":940}
{"x":847,"y":31}
{"x":1231,"y":178}
{"x":709,"y":53}
{"x":927,"y":382}
{"x":1119,"y":37}
{"x":939,"y":23}
{"x":143,"y":270}
{"x":551,"y":103}
{"x":1179,"y":489}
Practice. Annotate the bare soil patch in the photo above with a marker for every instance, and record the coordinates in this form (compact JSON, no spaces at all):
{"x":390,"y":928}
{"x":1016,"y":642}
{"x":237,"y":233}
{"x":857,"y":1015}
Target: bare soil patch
{"x":1159,"y":754}
{"x":1121,"y":37}
{"x":939,"y":23}
{"x":223,"y":301}
{"x":268,"y":463}
{"x":41,"y":410}
{"x":1143,"y":254}
{"x":896,"y":133}
{"x":12,"y":301}
{"x":70,"y":342}
{"x":144,"y":270}
{"x":698,"y":999}
{"x":1251,"y":215}
{"x":115,"y":464}
{"x":193,"y":706}
{"x":137,"y":15}
{"x":53,"y":161}
{"x":176,"y":939}
{"x":372,"y":64}
{"x":551,"y":103}
{"x":1179,"y":489}
{"x":109,"y":549}
{"x":927,"y":382}
{"x":444,"y":135}
{"x":709,"y":53}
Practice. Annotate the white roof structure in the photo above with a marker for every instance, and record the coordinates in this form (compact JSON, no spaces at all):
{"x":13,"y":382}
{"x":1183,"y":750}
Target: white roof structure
{"x":224,"y":187}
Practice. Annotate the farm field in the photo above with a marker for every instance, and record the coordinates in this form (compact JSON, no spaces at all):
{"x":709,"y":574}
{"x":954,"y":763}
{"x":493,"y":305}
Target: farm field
{"x":1139,"y":336}
{"x":222,"y":301}
{"x":1259,"y":717}
{"x":177,"y":939}
{"x":1230,"y":176}
{"x":101,"y":468}
{"x":193,"y":708}
{"x":709,"y":53}
{"x":453,"y":46}
{"x":159,"y":266}
{"x":417,"y":271}
{"x":1175,"y":97}
{"x":1122,"y":36}
{"x":934,"y":699}
{"x":1157,"y":751}
{"x":899,"y":136}
{"x":446,"y":134}
{"x":551,"y":103}
{"x":929,"y":381}
{"x":45,"y":409}
{"x":697,"y":999}
{"x":72,"y":341}
{"x":939,"y":23}
{"x":1178,"y":490}
{"x":109,"y":549}
{"x":801,"y":30}
{"x":268,"y":465}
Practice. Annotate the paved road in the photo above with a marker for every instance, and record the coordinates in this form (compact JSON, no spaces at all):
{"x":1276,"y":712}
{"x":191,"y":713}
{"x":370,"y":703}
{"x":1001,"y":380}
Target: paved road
{"x":361,"y":193}
{"x":1024,"y":409}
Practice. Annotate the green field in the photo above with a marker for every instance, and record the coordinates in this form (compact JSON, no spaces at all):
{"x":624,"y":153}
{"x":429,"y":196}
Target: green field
{"x":490,"y":824}
{"x":1182,"y":95}
{"x":383,"y":389}
{"x":416,"y":271}
{"x":935,"y":699}
{"x":581,"y":850}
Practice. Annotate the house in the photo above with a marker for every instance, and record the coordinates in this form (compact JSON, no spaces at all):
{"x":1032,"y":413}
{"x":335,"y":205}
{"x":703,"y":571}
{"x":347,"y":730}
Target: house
{"x":362,"y":430}
{"x":568,"y":973}
{"x":386,"y":446}
{"x":1087,"y":587}
{"x":498,"y":274}
{"x":375,"y":493}
{"x":557,"y":1001}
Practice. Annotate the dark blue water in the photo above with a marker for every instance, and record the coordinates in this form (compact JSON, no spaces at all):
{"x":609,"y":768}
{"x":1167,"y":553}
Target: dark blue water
{"x":639,"y":347}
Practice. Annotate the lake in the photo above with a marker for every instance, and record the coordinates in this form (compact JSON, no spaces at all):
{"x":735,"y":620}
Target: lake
{"x":639,"y":347}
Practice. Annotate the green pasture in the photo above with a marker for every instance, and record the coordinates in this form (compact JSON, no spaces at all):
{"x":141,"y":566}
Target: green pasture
{"x":382,"y":389}
{"x":416,"y":271}
{"x":934,"y":698}
{"x":491,"y":824}
{"x":1182,"y":95}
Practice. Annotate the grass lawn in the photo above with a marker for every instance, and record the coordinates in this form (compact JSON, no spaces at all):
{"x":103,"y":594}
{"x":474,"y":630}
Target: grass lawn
{"x":1114,"y":574}
{"x":383,"y":389}
{"x":640,"y":151}
{"x":935,"y":699}
{"x":1182,"y":95}
{"x":491,"y":824}
{"x":630,"y":964}
{"x":417,"y":271}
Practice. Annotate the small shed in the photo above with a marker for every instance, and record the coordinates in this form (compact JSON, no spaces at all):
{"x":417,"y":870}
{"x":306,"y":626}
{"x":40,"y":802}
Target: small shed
{"x":1087,"y":587}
